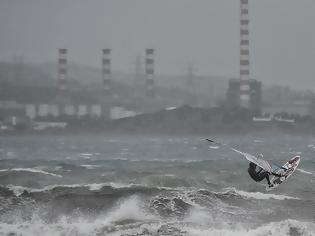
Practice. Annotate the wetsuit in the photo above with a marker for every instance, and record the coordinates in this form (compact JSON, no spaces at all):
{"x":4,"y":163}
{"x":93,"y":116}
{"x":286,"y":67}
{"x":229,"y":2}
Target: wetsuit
{"x":258,"y":175}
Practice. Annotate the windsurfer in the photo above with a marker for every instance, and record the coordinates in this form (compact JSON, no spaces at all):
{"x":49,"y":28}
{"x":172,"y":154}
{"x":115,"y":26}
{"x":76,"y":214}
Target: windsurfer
{"x":258,"y":174}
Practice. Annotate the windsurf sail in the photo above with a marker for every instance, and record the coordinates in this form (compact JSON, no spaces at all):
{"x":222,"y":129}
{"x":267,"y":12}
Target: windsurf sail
{"x":258,"y":161}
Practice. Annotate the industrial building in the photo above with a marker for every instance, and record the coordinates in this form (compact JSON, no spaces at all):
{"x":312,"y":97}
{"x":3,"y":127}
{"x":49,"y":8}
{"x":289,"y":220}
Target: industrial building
{"x":244,"y":92}
{"x":233,"y":98}
{"x":245,"y":89}
{"x":61,"y":101}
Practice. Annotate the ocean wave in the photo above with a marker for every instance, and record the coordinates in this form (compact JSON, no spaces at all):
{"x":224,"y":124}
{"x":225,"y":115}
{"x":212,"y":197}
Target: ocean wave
{"x":261,"y":196}
{"x":282,"y":228}
{"x":19,"y":190}
{"x":174,"y":206}
{"x":233,"y":193}
{"x":30,"y":170}
{"x":129,"y":219}
{"x":156,"y":160}
{"x":123,"y":215}
{"x":226,"y":194}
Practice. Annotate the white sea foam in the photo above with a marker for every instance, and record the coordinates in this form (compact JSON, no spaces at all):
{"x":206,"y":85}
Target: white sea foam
{"x":99,"y":186}
{"x":282,"y":228}
{"x":198,"y":215}
{"x":57,"y":168}
{"x":91,"y":167}
{"x":86,"y":154}
{"x":258,"y":141}
{"x":18,"y":190}
{"x":31,"y":170}
{"x":305,"y":172}
{"x":132,"y":210}
{"x":261,"y":196}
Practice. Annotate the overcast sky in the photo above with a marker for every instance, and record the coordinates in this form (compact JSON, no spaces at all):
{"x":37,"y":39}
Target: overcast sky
{"x":203,"y":32}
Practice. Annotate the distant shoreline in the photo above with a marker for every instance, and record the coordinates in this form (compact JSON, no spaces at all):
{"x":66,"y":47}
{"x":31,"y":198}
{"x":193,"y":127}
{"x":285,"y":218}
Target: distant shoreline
{"x":181,"y":121}
{"x":128,"y":127}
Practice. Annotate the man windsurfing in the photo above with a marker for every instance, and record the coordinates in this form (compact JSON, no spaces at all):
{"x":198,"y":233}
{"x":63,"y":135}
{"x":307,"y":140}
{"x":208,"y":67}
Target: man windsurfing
{"x":258,"y":174}
{"x":258,"y":169}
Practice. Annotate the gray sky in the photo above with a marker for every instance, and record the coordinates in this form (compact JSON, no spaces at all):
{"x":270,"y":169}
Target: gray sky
{"x":205,"y":32}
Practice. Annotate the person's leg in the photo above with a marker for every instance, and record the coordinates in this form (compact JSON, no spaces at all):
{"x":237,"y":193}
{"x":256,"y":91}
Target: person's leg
{"x":261,"y":176}
{"x":267,"y":178}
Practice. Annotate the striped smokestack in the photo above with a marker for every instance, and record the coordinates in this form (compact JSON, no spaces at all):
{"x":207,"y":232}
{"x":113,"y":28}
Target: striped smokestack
{"x":106,"y":71}
{"x":62,"y":69}
{"x":149,"y":72}
{"x":244,"y":55}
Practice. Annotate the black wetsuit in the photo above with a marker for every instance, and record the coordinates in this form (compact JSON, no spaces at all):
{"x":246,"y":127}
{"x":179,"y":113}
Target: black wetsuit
{"x":258,"y":175}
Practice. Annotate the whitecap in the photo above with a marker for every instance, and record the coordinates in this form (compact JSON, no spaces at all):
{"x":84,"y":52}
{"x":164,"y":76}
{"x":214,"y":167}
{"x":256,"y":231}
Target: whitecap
{"x":305,"y":172}
{"x":258,"y":141}
{"x":132,"y":209}
{"x":18,"y":190}
{"x":86,"y":154}
{"x":282,"y":228}
{"x":91,"y":167}
{"x":262,"y":196}
{"x":31,"y":170}
{"x":128,"y":209}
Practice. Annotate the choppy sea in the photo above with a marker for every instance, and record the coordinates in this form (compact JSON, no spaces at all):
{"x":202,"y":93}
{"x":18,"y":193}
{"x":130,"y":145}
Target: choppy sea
{"x":151,"y":185}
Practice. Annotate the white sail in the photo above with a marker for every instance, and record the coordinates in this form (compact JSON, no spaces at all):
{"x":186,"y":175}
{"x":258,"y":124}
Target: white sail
{"x":259,"y":162}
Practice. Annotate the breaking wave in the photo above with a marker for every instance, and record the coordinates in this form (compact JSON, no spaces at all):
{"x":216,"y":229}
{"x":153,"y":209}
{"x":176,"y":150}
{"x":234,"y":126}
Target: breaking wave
{"x":125,"y":221}
{"x":135,"y":210}
{"x":137,"y":188}
{"x":282,"y":228}
{"x":19,"y":190}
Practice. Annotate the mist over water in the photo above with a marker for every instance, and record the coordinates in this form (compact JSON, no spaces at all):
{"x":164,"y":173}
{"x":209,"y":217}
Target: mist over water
{"x":151,"y":185}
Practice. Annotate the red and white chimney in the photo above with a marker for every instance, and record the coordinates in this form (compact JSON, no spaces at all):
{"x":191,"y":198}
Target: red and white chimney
{"x":106,"y":71}
{"x":244,"y":55}
{"x":149,"y":72}
{"x":62,"y":69}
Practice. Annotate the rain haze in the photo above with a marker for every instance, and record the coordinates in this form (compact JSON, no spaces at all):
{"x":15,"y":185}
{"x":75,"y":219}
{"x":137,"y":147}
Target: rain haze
{"x":157,"y":117}
{"x":202,"y":32}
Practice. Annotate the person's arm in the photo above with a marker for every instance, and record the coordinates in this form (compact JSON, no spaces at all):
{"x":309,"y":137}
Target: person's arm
{"x":258,"y":172}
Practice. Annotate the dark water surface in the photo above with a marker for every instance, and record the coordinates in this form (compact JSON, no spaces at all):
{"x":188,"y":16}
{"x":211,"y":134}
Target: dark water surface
{"x":151,"y":185}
